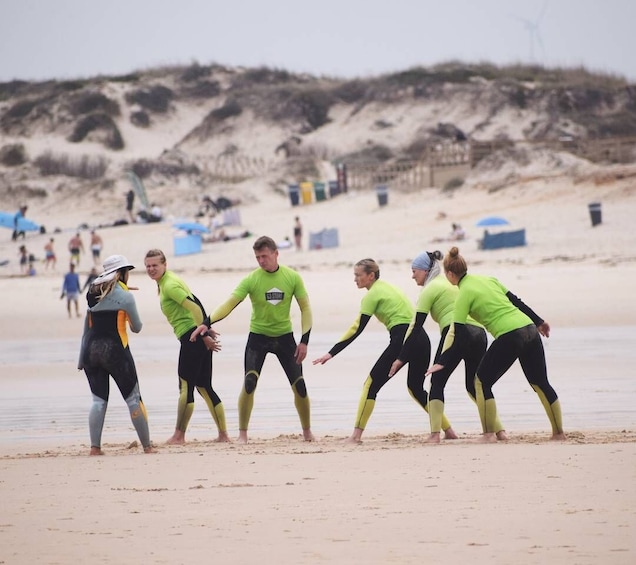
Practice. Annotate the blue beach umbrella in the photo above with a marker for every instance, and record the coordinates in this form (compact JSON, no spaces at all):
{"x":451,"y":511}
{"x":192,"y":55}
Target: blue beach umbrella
{"x":492,"y":221}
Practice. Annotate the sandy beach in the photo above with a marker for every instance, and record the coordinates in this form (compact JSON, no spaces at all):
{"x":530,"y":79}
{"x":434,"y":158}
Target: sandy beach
{"x":392,"y":499}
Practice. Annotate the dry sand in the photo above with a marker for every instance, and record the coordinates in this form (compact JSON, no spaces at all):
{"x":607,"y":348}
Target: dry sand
{"x":278,"y":499}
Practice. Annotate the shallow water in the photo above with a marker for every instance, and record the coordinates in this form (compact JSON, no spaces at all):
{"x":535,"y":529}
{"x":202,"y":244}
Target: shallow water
{"x":44,"y":399}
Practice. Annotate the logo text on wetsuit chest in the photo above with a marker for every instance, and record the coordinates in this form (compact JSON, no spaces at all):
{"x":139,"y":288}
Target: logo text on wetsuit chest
{"x":274,"y":296}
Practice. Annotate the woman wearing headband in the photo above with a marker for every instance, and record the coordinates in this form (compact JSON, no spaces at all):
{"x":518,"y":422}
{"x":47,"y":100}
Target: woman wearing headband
{"x":437,"y":298}
{"x":391,"y":307}
{"x":517,"y":330}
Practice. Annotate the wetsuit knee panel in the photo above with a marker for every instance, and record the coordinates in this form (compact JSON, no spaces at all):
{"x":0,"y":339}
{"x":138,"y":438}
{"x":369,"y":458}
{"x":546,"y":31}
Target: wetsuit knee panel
{"x":251,"y":380}
{"x":133,"y":398}
{"x":300,"y":388}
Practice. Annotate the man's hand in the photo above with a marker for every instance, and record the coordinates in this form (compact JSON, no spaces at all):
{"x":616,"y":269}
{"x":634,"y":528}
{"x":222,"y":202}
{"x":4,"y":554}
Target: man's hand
{"x":203,"y":330}
{"x":300,"y":353}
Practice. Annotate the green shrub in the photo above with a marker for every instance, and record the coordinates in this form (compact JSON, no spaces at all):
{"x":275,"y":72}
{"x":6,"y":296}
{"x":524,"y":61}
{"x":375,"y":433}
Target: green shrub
{"x":85,"y":167}
{"x":140,"y":119}
{"x":97,"y":122}
{"x":13,"y":155}
{"x":155,"y":99}
{"x":94,"y":102}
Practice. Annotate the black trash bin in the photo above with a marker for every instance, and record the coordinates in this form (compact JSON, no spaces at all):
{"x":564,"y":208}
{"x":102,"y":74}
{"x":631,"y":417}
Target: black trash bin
{"x":383,"y":194}
{"x":595,"y":213}
{"x":294,"y":194}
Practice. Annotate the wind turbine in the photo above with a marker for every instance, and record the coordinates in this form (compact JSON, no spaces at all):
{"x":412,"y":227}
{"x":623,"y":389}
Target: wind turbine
{"x":532,"y":27}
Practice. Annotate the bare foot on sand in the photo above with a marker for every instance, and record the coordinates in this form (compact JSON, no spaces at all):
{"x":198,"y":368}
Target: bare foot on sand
{"x":433,"y":438}
{"x":96,"y":451}
{"x":502,"y":435}
{"x":488,"y":437}
{"x":150,"y":449}
{"x":178,"y":438}
{"x":242,"y":437}
{"x":449,"y":433}
{"x":560,"y":436}
{"x":223,"y":438}
{"x":308,"y":436}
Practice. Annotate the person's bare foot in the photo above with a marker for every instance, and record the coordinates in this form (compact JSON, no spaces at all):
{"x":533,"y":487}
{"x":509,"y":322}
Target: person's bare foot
{"x":449,"y":433}
{"x":434,"y":437}
{"x":488,"y":437}
{"x":353,"y":440}
{"x":559,"y":436}
{"x":96,"y":451}
{"x":242,"y":438}
{"x":150,"y":449}
{"x":178,"y":438}
{"x":308,"y":436}
{"x":223,"y":438}
{"x":502,"y":435}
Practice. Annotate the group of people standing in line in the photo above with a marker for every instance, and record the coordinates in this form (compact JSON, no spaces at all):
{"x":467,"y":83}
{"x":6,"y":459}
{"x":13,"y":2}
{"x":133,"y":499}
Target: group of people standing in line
{"x":464,"y":307}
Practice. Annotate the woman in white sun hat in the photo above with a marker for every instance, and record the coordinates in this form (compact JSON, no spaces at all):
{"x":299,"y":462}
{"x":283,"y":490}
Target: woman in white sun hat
{"x":104,"y":352}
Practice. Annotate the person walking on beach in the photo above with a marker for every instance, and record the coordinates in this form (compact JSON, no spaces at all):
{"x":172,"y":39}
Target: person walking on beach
{"x":76,"y":247}
{"x":105,"y":352}
{"x":185,"y":312}
{"x":298,"y":234}
{"x":517,"y":330}
{"x":130,"y":201}
{"x":438,"y":298}
{"x":392,"y":308}
{"x":271,"y":288}
{"x":71,"y":289}
{"x":49,"y":255}
{"x":17,"y":232}
{"x":96,"y":246}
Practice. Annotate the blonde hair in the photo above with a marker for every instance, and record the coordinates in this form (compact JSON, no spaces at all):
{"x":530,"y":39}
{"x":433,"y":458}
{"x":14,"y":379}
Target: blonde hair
{"x":156,"y":253}
{"x":104,"y":288}
{"x":369,"y":266}
{"x":455,"y":263}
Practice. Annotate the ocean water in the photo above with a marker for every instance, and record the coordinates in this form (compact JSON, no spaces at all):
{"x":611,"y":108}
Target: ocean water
{"x":44,"y":399}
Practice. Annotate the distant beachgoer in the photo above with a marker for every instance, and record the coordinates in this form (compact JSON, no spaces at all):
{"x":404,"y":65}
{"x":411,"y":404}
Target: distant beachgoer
{"x":92,"y":275}
{"x":390,"y":306}
{"x":23,"y":255}
{"x":438,"y":298}
{"x":21,"y":213}
{"x":104,"y":351}
{"x":96,"y":246}
{"x":517,"y":330}
{"x":76,"y":247}
{"x":271,"y":288}
{"x":185,"y":312}
{"x":298,"y":234}
{"x":71,"y":289}
{"x":130,"y":201}
{"x":457,"y":233}
{"x":49,"y":255}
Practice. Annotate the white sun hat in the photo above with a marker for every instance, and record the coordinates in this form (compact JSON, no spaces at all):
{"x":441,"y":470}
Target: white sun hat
{"x":111,"y":265}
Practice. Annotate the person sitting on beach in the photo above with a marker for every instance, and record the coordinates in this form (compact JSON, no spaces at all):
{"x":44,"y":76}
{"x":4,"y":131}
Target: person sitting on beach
{"x":517,"y":330}
{"x":271,"y":288}
{"x":104,"y":351}
{"x":390,"y":306}
{"x":438,"y":298}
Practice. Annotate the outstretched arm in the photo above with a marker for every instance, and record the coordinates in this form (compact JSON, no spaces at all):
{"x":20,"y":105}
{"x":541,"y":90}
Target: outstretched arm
{"x":352,"y":333}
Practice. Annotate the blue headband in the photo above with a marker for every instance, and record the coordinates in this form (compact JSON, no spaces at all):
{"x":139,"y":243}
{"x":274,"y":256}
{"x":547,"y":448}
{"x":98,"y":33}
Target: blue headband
{"x":422,"y":261}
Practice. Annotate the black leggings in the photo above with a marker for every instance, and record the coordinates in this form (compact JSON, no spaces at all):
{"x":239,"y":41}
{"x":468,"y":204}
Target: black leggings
{"x":195,"y":367}
{"x":257,"y":348}
{"x":471,"y":352}
{"x":523,"y":344}
{"x":417,"y":366}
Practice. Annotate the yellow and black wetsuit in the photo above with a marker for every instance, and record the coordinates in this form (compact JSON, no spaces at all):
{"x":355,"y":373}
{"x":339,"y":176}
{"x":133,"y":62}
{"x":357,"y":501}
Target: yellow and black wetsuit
{"x":514,"y":326}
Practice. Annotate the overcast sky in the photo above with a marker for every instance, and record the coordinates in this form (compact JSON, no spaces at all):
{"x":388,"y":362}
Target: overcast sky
{"x":61,"y":39}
